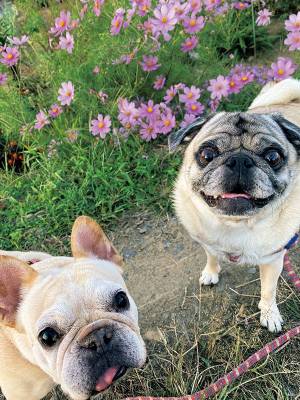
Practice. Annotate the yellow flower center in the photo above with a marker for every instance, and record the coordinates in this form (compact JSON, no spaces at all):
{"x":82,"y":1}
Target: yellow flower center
{"x":68,"y":94}
{"x":9,"y":56}
{"x":128,"y":126}
{"x":150,"y":109}
{"x":62,"y":23}
{"x":100,"y":125}
{"x":231,"y":83}
{"x":194,"y":107}
{"x":164,"y":20}
{"x":117,"y":24}
{"x":55,"y":110}
{"x":167,"y":122}
{"x":190,"y":95}
{"x":189,"y":43}
{"x":193,"y":22}
{"x":242,"y":5}
{"x":297,"y":24}
{"x":280,"y":71}
{"x":244,"y":78}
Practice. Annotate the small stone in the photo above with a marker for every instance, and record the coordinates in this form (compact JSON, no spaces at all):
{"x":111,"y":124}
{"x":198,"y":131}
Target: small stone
{"x":252,"y":270}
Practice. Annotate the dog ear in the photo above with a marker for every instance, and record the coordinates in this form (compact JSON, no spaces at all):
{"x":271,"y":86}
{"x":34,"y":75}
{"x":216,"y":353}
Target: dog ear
{"x":291,"y":131}
{"x":177,"y":137}
{"x":89,"y":241}
{"x":15,"y":275}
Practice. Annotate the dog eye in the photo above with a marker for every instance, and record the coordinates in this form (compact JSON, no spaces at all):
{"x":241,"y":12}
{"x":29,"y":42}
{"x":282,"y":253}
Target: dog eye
{"x":207,"y":155}
{"x":48,"y":337}
{"x":273,"y":157}
{"x":121,"y":301}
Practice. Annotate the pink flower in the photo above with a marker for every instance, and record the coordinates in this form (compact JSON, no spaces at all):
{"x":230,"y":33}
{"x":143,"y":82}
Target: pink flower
{"x":19,"y":41}
{"x":149,"y":110}
{"x":263,"y":17}
{"x":62,"y":23}
{"x":66,"y":93}
{"x":282,"y":69}
{"x":10,"y":56}
{"x":159,"y":82}
{"x":218,"y":87}
{"x":193,"y":24}
{"x":164,"y":21}
{"x":293,"y":23}
{"x":189,"y":44}
{"x":143,"y":6}
{"x":83,"y":11}
{"x":150,"y":63}
{"x":55,"y":110}
{"x":117,"y":22}
{"x":72,"y":135}
{"x":3,"y":79}
{"x":293,"y":40}
{"x":239,"y":5}
{"x":195,"y":5}
{"x":100,"y":126}
{"x":96,"y":70}
{"x":170,"y":94}
{"x":41,"y":121}
{"x":187,"y":120}
{"x":211,"y":4}
{"x":195,"y":108}
{"x":149,"y":131}
{"x":167,"y":122}
{"x":181,"y":10}
{"x":214,"y":104}
{"x":246,"y":77}
{"x":67,"y":43}
{"x":234,"y":83}
{"x":190,"y":95}
{"x":128,"y":113}
{"x":97,"y":7}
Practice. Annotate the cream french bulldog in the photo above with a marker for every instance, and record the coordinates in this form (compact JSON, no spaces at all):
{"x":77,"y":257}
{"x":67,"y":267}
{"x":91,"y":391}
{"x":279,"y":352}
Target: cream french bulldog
{"x":66,"y":320}
{"x":238,"y":190}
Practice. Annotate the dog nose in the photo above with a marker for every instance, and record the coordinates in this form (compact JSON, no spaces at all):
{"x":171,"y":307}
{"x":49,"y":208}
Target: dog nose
{"x":239,"y":161}
{"x":98,"y":340}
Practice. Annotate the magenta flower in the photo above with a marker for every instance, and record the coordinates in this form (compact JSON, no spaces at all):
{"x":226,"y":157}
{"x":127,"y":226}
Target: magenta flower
{"x":293,"y":23}
{"x":189,"y":44}
{"x":83,"y":11}
{"x":66,"y":43}
{"x":293,"y":40}
{"x":3,"y":79}
{"x":117,"y":22}
{"x":150,"y":63}
{"x":62,"y":23}
{"x":10,"y":56}
{"x":164,"y":21}
{"x":149,"y":131}
{"x":159,"y":82}
{"x":263,"y":17}
{"x":235,"y":84}
{"x":193,"y":24}
{"x":55,"y":110}
{"x":246,"y":77}
{"x":66,"y":93}
{"x":190,"y":95}
{"x":187,"y":120}
{"x":195,"y":108}
{"x":19,"y":41}
{"x":239,"y":5}
{"x":167,"y":122}
{"x":210,"y":5}
{"x":97,"y":7}
{"x":282,"y":69}
{"x":218,"y":87}
{"x":128,"y":113}
{"x":149,"y":110}
{"x":181,"y":10}
{"x":41,"y":121}
{"x":100,"y":126}
{"x":170,"y":94}
{"x":195,"y":5}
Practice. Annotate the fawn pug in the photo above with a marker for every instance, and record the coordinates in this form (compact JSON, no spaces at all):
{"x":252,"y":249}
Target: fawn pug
{"x":238,"y":190}
{"x":66,"y":320}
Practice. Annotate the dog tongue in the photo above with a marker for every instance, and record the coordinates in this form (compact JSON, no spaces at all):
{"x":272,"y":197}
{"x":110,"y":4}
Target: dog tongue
{"x":106,"y":379}
{"x":235,"y":196}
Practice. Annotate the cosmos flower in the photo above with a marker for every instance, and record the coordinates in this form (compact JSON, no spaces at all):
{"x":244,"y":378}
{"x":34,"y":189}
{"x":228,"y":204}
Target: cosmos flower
{"x":117,"y":22}
{"x":293,"y":23}
{"x":19,"y":41}
{"x":150,"y":63}
{"x":263,"y":17}
{"x":293,"y":40}
{"x":149,"y":131}
{"x":159,"y":82}
{"x":3,"y":79}
{"x":62,"y":23}
{"x":149,"y":110}
{"x":66,"y":93}
{"x":167,"y":122}
{"x":195,"y":108}
{"x":219,"y":87}
{"x":41,"y":120}
{"x":100,"y":126}
{"x":193,"y":24}
{"x":10,"y":56}
{"x":190,"y":95}
{"x":170,"y":94}
{"x":55,"y":110}
{"x":189,"y":44}
{"x":66,"y":43}
{"x":282,"y":69}
{"x":187,"y":120}
{"x":164,"y":21}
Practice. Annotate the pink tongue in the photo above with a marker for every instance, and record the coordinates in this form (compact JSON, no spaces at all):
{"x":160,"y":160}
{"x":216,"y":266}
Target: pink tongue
{"x":106,"y":379}
{"x":235,"y":196}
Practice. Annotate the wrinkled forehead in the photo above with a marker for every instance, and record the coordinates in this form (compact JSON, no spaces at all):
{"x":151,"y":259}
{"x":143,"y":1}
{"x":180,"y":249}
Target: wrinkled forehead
{"x":241,"y":129}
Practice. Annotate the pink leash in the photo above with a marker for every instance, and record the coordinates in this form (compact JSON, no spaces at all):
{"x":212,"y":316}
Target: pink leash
{"x":240,"y":370}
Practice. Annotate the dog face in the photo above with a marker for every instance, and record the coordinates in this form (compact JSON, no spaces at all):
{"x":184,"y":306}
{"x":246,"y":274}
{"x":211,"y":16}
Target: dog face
{"x":76,"y":314}
{"x":240,"y":163}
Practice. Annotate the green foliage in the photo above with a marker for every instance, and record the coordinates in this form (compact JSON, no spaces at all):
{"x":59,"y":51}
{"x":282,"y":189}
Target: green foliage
{"x":7,"y":21}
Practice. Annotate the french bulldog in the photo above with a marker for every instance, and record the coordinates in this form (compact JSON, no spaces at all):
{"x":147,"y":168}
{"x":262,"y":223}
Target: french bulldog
{"x":238,"y":190}
{"x":66,"y":320}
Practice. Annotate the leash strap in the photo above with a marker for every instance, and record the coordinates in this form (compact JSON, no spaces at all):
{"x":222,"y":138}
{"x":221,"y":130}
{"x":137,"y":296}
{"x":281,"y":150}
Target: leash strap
{"x":261,"y":354}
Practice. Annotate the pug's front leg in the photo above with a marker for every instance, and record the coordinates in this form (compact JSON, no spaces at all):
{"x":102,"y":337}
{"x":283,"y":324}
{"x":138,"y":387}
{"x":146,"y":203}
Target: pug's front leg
{"x":210,"y":274}
{"x":270,"y":316}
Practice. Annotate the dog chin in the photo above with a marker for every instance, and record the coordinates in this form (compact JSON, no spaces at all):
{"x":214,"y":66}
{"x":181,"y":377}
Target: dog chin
{"x":231,"y":204}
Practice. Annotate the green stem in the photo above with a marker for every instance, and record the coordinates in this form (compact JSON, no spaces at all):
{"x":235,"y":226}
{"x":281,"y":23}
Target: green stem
{"x":253,"y":29}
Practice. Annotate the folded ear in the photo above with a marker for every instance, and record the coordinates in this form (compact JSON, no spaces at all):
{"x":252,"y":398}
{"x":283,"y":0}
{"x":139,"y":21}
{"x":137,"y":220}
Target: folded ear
{"x":89,"y":241}
{"x":291,"y":131}
{"x":175,"y":138}
{"x":15,"y":275}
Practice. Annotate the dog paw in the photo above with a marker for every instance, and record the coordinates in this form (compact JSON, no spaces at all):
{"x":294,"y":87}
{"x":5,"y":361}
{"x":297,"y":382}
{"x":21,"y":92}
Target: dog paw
{"x":270,"y":317}
{"x":208,"y":278}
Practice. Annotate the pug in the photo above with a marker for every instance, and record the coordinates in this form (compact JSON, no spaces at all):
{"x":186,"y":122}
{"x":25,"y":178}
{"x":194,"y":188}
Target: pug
{"x":66,"y":320}
{"x":238,"y":190}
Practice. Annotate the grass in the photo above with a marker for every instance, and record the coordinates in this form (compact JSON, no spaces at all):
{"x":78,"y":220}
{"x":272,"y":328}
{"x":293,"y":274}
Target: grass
{"x":111,"y":179}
